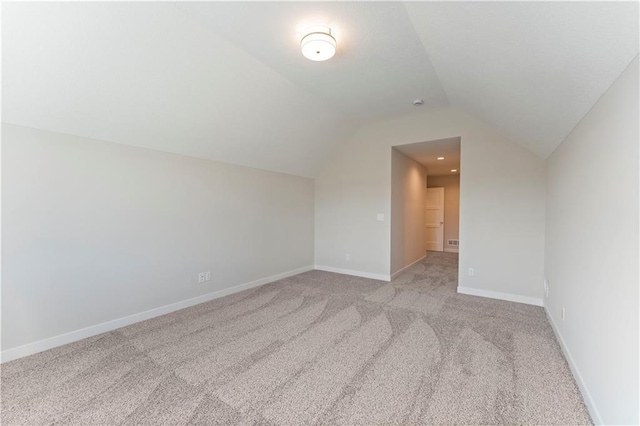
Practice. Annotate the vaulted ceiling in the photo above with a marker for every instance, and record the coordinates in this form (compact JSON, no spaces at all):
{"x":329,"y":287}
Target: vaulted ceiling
{"x":226,"y":80}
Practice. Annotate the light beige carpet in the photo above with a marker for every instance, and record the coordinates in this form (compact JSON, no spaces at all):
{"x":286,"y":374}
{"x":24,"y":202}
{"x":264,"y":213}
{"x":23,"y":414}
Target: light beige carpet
{"x":317,"y":348}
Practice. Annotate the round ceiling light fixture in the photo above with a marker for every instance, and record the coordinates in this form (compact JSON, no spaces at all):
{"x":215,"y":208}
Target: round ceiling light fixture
{"x":318,"y":44}
{"x":418,"y":102}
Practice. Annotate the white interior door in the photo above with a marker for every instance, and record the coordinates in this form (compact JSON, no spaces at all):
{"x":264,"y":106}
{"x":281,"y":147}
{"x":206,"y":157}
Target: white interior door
{"x":435,"y":219}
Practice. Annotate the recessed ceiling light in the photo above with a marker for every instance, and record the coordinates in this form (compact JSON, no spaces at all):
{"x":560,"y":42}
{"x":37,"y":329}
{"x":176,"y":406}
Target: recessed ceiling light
{"x":318,"y":44}
{"x":418,"y":102}
{"x":440,"y":158}
{"x":454,"y":170}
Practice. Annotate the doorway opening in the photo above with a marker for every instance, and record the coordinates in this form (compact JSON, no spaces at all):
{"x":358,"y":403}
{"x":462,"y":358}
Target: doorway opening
{"x":425,"y":217}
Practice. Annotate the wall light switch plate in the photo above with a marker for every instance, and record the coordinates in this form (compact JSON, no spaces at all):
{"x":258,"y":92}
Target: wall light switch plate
{"x":546,"y":288}
{"x":380,"y":217}
{"x":207,"y":276}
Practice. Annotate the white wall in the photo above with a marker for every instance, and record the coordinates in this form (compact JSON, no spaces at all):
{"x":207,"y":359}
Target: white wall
{"x":451,"y":185}
{"x":592,"y":251}
{"x":408,"y":183}
{"x":501,"y":201}
{"x":94,"y":231}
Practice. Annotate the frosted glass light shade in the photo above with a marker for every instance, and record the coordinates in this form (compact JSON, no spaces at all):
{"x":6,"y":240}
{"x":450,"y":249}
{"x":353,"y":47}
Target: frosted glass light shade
{"x":318,"y":45}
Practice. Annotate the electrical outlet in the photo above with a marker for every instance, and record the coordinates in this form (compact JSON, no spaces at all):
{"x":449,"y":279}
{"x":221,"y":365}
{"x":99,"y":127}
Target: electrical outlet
{"x":546,"y":288}
{"x":207,"y":276}
{"x":347,"y":256}
{"x":563,"y":313}
{"x":201,"y":277}
{"x":471,"y":272}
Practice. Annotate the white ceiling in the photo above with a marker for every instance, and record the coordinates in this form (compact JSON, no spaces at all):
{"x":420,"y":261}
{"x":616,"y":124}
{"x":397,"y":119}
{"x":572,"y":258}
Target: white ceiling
{"x":427,"y":153}
{"x":381,"y":65}
{"x":226,"y":80}
{"x":532,"y":69}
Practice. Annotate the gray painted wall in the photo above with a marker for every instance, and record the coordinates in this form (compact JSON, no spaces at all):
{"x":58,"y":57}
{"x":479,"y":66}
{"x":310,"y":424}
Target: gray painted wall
{"x":408,"y":185}
{"x":94,"y":231}
{"x":501,"y":202}
{"x":592,"y":250}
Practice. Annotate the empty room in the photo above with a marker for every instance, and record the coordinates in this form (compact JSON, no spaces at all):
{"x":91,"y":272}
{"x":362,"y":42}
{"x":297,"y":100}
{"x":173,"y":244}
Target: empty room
{"x":320,"y":213}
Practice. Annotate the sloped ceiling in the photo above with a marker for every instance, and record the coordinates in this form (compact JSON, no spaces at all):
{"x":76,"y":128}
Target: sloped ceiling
{"x":532,"y":69}
{"x":226,"y":81}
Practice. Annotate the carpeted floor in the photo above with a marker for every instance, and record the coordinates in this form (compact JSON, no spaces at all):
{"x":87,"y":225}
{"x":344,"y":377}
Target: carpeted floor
{"x":317,"y":348}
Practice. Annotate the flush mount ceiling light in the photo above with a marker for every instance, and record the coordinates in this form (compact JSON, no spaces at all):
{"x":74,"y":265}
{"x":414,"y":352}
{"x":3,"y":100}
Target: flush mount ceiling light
{"x":318,"y":44}
{"x":440,"y":158}
{"x":418,"y":102}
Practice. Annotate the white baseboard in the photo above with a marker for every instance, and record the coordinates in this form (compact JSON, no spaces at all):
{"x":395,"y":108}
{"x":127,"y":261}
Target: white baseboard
{"x":397,"y":273}
{"x":501,"y":296}
{"x":380,"y":277}
{"x":74,"y":336}
{"x":451,"y":250}
{"x":588,"y":400}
